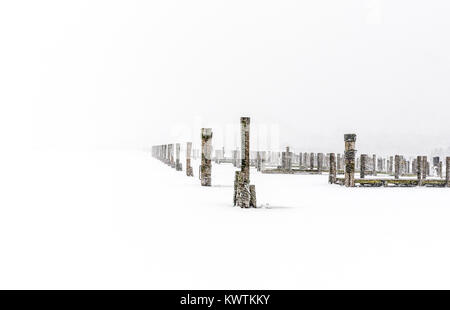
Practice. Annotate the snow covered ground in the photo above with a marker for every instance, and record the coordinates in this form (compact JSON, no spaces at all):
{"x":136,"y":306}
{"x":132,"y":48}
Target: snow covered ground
{"x":123,"y":220}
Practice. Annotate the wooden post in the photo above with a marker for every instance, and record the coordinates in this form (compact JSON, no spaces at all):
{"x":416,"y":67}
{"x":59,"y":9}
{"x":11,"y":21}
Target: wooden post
{"x":245,"y":194}
{"x":424,"y":167}
{"x":205,"y":168}
{"x":286,"y":160}
{"x":447,"y":171}
{"x":332,"y":175}
{"x":435,"y":167}
{"x":252,"y":196}
{"x":374,"y":165}
{"x":349,"y":156}
{"x":178,"y":165}
{"x":245,"y":147}
{"x":236,"y":184}
{"x":362,"y":168}
{"x":397,"y":167}
{"x":391,"y":163}
{"x":189,"y":170}
{"x":319,"y":162}
{"x":419,"y":170}
{"x":311,"y":161}
{"x":338,"y":163}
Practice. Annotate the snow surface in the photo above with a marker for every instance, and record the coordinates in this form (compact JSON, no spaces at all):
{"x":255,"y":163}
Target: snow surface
{"x":123,"y":220}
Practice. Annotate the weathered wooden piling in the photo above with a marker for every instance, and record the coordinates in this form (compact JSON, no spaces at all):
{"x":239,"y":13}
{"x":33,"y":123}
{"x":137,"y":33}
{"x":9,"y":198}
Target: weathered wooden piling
{"x":362,"y":168}
{"x":252,"y":196}
{"x":258,"y":161}
{"x":319,"y":162}
{"x":436,"y":161}
{"x":189,"y":170}
{"x":178,"y":165}
{"x":245,"y":194}
{"x":349,"y":156}
{"x":374,"y":164}
{"x":447,"y":171}
{"x":397,"y":167}
{"x":205,"y":168}
{"x":245,"y":147}
{"x":235,"y":157}
{"x":236,"y":185}
{"x":300,"y":160}
{"x":332,"y":175}
{"x":425,"y":167}
{"x":419,"y":170}
{"x":311,"y":161}
{"x":286,"y":160}
{"x":339,"y":162}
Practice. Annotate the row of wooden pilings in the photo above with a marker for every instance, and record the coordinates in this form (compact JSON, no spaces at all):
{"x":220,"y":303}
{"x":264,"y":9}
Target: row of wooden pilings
{"x":420,"y":168}
{"x":165,"y":153}
{"x":244,"y":194}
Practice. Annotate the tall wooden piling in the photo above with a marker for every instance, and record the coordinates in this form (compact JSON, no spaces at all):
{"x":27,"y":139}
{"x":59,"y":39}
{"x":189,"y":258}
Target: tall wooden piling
{"x":425,"y":167}
{"x":178,"y":165}
{"x":374,"y":164}
{"x":332,"y":175}
{"x":391,"y":165}
{"x":286,"y":160}
{"x":311,"y":161}
{"x":189,"y":170}
{"x":397,"y":167}
{"x":245,"y":147}
{"x":339,"y":162}
{"x":362,"y":168}
{"x":419,"y":170}
{"x":245,"y":194}
{"x":349,"y":156}
{"x":205,"y":168}
{"x":319,"y":162}
{"x":447,"y":171}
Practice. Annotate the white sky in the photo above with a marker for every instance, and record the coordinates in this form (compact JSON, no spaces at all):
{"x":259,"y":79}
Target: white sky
{"x":91,"y":74}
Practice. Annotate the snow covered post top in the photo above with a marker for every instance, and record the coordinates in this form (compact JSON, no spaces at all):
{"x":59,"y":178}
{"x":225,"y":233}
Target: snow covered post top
{"x":349,"y":156}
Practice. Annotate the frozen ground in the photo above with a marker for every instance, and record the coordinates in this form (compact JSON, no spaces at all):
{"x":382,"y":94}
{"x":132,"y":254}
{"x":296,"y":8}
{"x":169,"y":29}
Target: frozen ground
{"x":124,"y":220}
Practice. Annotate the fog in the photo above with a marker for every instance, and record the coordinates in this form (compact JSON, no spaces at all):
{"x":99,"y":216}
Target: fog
{"x":129,"y":74}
